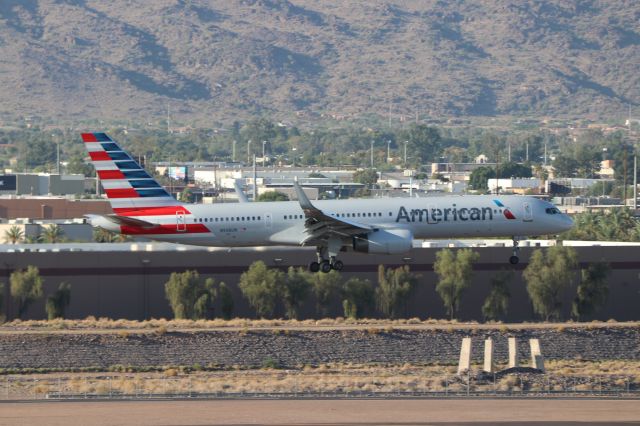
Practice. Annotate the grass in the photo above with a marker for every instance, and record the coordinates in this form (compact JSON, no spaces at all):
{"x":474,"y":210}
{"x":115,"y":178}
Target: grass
{"x":327,"y":378}
{"x":162,"y":326}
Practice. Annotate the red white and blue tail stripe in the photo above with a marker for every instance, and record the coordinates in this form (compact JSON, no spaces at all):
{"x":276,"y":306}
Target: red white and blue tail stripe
{"x":129,"y":188}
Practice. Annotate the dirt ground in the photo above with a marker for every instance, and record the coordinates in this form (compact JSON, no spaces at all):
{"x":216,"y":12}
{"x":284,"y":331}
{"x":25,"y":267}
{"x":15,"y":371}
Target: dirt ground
{"x":321,"y":412}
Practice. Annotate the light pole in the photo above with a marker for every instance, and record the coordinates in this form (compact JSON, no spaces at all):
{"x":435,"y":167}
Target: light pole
{"x":264,"y":143}
{"x":372,"y":154}
{"x":233,"y":152}
{"x":388,"y":151}
{"x":604,"y":157}
{"x":249,"y":151}
{"x":405,"y":153}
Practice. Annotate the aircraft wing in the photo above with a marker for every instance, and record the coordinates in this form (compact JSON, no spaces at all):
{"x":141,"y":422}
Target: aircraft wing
{"x":321,"y":226}
{"x":123,"y":220}
{"x":242,"y":197}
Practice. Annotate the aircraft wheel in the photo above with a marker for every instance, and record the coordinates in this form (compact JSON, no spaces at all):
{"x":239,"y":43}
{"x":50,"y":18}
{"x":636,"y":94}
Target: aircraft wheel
{"x":325,"y":266}
{"x":314,"y":267}
{"x":338,"y":265}
{"x":514,"y":260}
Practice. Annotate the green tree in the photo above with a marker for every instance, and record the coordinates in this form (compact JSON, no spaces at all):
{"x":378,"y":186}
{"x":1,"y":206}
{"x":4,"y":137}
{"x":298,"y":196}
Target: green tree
{"x":77,"y":165}
{"x":565,"y":166}
{"x":326,"y":288}
{"x":366,"y":177}
{"x":496,"y":304}
{"x":13,"y":235}
{"x":511,"y":169}
{"x":57,"y":302}
{"x":454,"y":270}
{"x":424,"y":142}
{"x":592,"y":291}
{"x":479,"y":178}
{"x":226,"y":301}
{"x":357,"y":294}
{"x":262,"y":287}
{"x":548,"y":274}
{"x":52,"y":234}
{"x":273,"y":196}
{"x":186,"y":196}
{"x":395,"y":286}
{"x":190,"y":297}
{"x":295,"y":290}
{"x":26,"y":287}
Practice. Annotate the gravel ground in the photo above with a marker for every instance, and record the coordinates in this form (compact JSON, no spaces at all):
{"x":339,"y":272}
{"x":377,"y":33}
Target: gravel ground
{"x":290,"y":348}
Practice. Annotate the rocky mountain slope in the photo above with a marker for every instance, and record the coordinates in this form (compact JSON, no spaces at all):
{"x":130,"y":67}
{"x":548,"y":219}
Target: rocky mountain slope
{"x":217,"y":61}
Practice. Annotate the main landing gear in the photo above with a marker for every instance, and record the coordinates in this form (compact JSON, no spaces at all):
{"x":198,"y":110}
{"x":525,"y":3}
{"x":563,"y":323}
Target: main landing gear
{"x":514,"y":259}
{"x":327,"y":258}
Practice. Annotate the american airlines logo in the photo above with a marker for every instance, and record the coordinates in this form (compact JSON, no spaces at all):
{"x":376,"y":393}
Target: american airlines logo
{"x":451,"y":214}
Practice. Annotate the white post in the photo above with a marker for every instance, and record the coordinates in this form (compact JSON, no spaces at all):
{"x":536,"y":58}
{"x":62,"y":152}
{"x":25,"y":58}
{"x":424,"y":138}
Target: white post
{"x":488,"y":356}
{"x":513,"y":352}
{"x":537,"y":361}
{"x":464,"y":363}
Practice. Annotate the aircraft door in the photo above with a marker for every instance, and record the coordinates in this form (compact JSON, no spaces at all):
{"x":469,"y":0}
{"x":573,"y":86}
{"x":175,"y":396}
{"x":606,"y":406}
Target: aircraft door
{"x":181,"y":223}
{"x":528,"y":212}
{"x":267,"y":221}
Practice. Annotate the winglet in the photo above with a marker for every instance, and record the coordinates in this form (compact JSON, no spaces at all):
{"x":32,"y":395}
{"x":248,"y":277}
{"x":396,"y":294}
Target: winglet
{"x":242,"y":197}
{"x":302,"y":197}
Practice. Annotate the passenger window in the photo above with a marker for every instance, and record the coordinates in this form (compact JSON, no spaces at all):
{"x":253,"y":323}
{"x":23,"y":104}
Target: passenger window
{"x":258,"y":217}
{"x":285,"y":217}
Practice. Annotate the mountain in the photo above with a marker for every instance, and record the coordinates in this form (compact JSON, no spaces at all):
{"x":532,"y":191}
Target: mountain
{"x":219,"y":61}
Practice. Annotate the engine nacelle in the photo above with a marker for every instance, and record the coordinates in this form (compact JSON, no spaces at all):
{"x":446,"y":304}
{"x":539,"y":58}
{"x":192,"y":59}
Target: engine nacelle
{"x":393,"y":241}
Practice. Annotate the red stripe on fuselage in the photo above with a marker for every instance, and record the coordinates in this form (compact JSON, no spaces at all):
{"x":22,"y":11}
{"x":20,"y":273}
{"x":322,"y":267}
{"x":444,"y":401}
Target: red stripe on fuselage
{"x":121,"y":193}
{"x":167,"y":229}
{"x":150,"y":211}
{"x":89,"y":137}
{"x":99,"y":156}
{"x":110,"y":174}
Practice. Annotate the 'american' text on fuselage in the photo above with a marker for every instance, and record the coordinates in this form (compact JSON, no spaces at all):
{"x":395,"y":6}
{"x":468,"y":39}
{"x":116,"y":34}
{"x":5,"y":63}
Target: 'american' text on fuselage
{"x":444,"y":215}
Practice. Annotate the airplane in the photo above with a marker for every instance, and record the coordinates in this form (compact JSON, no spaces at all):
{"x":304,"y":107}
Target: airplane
{"x":142,"y":207}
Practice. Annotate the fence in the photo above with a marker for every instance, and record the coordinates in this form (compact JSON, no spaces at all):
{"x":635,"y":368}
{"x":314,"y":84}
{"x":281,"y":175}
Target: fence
{"x":138,"y":386}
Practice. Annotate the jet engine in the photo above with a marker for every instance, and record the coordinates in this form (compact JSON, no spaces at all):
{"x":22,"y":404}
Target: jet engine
{"x":392,"y":241}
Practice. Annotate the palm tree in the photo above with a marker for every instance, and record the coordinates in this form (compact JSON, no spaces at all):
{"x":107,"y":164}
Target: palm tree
{"x":52,"y":234}
{"x":13,"y":235}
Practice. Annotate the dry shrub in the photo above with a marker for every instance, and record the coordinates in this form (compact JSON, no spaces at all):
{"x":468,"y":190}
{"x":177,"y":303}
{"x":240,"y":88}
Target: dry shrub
{"x":170,"y":372}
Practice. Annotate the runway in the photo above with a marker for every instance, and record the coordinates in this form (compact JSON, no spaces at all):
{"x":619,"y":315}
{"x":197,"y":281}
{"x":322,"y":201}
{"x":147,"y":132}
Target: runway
{"x":323,"y":412}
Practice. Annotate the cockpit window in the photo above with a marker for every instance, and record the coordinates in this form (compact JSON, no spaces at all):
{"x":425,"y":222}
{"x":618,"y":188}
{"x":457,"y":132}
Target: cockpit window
{"x":552,"y":210}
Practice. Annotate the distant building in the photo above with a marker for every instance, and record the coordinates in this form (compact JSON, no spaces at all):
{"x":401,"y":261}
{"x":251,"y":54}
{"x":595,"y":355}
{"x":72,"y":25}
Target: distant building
{"x":606,"y":169}
{"x":50,"y":207}
{"x":72,"y":230}
{"x":41,"y":184}
{"x":516,"y":185}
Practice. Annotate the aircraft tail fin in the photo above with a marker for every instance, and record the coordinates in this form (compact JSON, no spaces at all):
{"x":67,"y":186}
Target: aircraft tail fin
{"x":129,"y":188}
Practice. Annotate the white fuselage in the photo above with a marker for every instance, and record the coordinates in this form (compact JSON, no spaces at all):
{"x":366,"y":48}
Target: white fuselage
{"x":283,"y":223}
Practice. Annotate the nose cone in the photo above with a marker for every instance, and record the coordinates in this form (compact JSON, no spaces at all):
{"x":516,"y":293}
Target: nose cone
{"x":566,"y":222}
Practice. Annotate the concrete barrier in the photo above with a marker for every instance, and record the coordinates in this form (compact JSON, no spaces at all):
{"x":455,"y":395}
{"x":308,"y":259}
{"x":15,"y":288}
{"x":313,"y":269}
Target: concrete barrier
{"x":465,"y":356}
{"x":513,"y":353}
{"x":488,"y":356}
{"x":537,"y":361}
